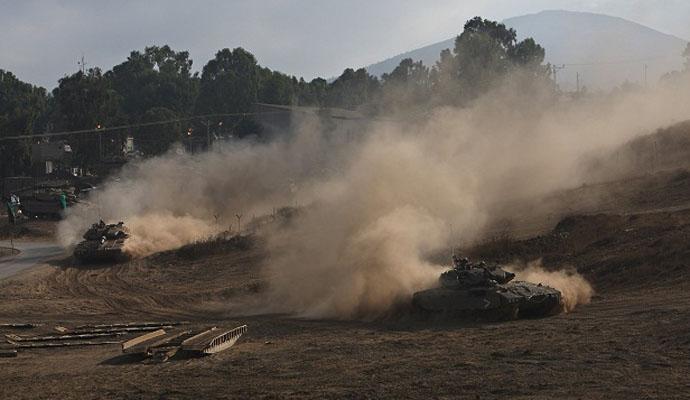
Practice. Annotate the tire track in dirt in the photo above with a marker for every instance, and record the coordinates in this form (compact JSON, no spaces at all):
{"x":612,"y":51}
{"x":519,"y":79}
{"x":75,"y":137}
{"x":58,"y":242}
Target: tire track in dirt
{"x":158,"y":287}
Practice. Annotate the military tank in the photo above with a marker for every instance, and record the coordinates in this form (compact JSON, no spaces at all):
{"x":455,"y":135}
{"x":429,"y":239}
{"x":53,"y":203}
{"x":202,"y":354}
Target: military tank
{"x":103,"y":242}
{"x":480,"y":291}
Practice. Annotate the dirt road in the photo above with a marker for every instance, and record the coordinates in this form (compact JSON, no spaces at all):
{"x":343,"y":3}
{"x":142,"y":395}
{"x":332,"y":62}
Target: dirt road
{"x":31,"y":254}
{"x":620,"y":347}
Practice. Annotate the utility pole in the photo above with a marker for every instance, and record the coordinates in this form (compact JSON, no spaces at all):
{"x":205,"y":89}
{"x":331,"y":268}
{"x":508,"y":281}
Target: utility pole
{"x":578,"y":83}
{"x":100,"y":143}
{"x":239,"y":223}
{"x":208,"y":135}
{"x":555,"y":69}
{"x":82,"y":64}
{"x":645,"y":67}
{"x":452,"y":242}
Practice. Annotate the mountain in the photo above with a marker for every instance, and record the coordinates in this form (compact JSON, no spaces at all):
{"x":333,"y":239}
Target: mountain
{"x":606,"y":51}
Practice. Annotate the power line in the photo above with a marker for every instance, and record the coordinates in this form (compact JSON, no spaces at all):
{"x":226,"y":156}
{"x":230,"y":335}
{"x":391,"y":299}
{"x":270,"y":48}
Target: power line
{"x":144,"y":124}
{"x":281,"y":110}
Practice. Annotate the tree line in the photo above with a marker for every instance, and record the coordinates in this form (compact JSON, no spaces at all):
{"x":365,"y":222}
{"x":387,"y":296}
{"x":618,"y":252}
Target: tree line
{"x":158,"y":83}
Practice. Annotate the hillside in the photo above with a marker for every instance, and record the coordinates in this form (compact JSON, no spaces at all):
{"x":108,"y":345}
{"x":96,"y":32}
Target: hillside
{"x":605,"y":50}
{"x":635,"y":331}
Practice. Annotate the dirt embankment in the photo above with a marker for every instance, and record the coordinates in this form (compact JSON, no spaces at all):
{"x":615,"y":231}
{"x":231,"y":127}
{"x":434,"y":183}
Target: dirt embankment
{"x":178,"y":284}
{"x":628,"y":343}
{"x":614,"y":252}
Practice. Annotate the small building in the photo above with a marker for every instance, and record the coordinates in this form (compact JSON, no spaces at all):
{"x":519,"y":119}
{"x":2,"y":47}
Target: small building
{"x":51,"y":157}
{"x":128,"y":147}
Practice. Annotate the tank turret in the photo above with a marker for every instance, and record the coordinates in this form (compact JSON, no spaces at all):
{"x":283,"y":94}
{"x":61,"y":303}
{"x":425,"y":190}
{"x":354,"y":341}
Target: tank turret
{"x":103,"y":242}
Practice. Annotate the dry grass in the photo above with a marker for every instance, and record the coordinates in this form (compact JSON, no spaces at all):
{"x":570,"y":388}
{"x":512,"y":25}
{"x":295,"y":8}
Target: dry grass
{"x":220,"y":244}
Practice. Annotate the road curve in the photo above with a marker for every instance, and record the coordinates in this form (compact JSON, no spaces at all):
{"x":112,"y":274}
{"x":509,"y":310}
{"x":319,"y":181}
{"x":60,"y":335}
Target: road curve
{"x":32,"y":254}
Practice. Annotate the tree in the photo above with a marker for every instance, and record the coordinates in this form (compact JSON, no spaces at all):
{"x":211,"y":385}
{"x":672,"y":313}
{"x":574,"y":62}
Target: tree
{"x":156,"y":139}
{"x":229,"y":82}
{"x":313,"y":93}
{"x":22,"y":109}
{"x":158,"y":77}
{"x":486,"y":51}
{"x":408,"y":83}
{"x":527,"y":53}
{"x":443,"y":78}
{"x":352,"y":89}
{"x":277,"y":88}
{"x":408,"y":72}
{"x":85,"y":101}
{"x":481,"y":53}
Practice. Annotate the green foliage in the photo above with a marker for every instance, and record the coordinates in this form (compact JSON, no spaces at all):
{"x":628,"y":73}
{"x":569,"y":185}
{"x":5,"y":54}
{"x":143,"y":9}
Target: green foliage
{"x":352,"y":89}
{"x":527,"y":53}
{"x":156,"y":139}
{"x":486,"y":51}
{"x":22,"y":107}
{"x":229,"y":83}
{"x":158,"y":84}
{"x":277,"y":88}
{"x":155,"y":85}
{"x":443,"y":78}
{"x":313,"y":93}
{"x":484,"y":54}
{"x":408,"y":83}
{"x":85,"y":101}
{"x":158,"y":77}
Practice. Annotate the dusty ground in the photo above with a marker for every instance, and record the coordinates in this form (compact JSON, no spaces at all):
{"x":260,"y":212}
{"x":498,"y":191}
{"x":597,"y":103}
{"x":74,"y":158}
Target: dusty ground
{"x":632,"y":341}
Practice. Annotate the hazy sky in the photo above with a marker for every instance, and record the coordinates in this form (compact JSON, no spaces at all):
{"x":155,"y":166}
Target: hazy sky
{"x":41,"y":41}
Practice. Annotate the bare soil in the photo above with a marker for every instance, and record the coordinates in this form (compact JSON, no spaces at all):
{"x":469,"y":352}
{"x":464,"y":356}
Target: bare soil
{"x":632,"y":341}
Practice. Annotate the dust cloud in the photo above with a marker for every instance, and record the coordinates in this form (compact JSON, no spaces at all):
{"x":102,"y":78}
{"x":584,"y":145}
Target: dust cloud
{"x":378,"y":196}
{"x":574,"y":288}
{"x":161,"y":231}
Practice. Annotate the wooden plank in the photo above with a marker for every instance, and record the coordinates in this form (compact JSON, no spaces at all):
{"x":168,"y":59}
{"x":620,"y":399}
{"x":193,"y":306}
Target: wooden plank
{"x":40,"y":345}
{"x":132,"y":345}
{"x":198,"y":341}
{"x":51,"y":338}
{"x":151,"y":343}
{"x":121,"y":330}
{"x":8,"y":353}
{"x":166,"y":341}
{"x":17,"y":326}
{"x":129,"y":325}
{"x":119,"y":327}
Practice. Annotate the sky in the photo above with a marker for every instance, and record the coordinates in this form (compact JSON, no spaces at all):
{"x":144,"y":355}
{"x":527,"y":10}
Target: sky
{"x":42,"y":41}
